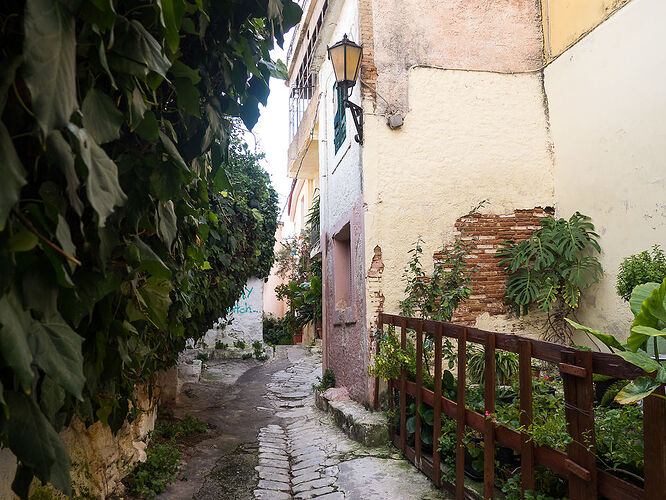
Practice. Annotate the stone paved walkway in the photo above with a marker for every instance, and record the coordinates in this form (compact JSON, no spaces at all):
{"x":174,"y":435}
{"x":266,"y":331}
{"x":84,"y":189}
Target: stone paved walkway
{"x":307,"y":456}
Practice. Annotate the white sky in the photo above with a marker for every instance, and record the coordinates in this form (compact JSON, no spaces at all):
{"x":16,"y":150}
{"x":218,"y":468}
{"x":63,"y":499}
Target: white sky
{"x":272,"y":134}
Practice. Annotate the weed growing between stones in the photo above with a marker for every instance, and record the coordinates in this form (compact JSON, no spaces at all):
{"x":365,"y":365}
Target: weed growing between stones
{"x":239,"y":344}
{"x":326,"y":381}
{"x":259,"y":351}
{"x":220,"y":345}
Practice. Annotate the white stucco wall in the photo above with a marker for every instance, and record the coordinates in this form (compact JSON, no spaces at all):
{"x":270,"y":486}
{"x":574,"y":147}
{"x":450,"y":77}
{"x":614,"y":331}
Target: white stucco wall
{"x":340,"y":173}
{"x":244,"y":320}
{"x":468,"y":136}
{"x":607,"y":104}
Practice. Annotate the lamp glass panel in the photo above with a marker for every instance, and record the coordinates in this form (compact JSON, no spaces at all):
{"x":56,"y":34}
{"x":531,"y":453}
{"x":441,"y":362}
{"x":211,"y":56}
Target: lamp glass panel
{"x":353,"y":62}
{"x":338,"y":59}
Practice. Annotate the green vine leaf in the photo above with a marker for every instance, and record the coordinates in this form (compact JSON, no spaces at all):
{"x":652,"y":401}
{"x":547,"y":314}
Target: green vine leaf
{"x":50,"y":62}
{"x":101,"y":118}
{"x":31,"y":436}
{"x":58,"y":353}
{"x":14,"y":337}
{"x":13,"y":176}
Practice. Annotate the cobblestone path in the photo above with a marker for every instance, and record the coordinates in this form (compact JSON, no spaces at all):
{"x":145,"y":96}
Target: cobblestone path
{"x":307,"y":456}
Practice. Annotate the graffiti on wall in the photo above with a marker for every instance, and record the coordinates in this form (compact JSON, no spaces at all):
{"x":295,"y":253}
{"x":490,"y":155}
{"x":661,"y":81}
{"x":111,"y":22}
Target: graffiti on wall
{"x":243,"y":306}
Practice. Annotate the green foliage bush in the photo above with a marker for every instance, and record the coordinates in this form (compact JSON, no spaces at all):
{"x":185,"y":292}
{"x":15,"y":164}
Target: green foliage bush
{"x":221,"y":345}
{"x":240,"y":344}
{"x":151,"y":477}
{"x":125,"y":223}
{"x":644,"y":267}
{"x":172,"y":428}
{"x":259,"y":352}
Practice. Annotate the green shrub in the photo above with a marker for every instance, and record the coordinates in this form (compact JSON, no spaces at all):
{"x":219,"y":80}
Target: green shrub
{"x":286,"y":340}
{"x":259,"y":353}
{"x":239,"y":344}
{"x":644,"y":267}
{"x":202,"y":356}
{"x":220,"y":345}
{"x":177,"y":428}
{"x":326,"y":381}
{"x":150,"y":478}
{"x":247,"y":355}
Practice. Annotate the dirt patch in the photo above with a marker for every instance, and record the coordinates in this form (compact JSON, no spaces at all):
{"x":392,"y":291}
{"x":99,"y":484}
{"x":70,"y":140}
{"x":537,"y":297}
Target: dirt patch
{"x":232,"y":477}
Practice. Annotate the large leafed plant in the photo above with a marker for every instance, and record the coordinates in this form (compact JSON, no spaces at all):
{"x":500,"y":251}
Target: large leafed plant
{"x":121,"y":231}
{"x":551,"y":268}
{"x":646,"y":341}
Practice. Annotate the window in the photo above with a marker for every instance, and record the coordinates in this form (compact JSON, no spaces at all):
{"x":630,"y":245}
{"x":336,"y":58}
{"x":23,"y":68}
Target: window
{"x":342,"y":268}
{"x":340,"y":120}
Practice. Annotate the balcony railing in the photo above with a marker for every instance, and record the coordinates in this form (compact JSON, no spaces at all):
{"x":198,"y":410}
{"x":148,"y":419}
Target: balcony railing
{"x":299,"y":98}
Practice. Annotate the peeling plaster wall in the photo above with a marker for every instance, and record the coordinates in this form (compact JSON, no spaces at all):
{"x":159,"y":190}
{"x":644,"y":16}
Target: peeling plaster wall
{"x":468,"y":34}
{"x":469,"y":136}
{"x":341,"y":184}
{"x":607,"y":106}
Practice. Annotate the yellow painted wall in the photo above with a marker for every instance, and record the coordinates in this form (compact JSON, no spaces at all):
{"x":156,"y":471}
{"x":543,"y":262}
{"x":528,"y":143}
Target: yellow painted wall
{"x":566,"y":21}
{"x":468,"y":136}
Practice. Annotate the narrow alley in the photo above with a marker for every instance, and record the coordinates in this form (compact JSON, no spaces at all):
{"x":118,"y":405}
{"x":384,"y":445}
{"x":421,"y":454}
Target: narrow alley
{"x":269,"y":441}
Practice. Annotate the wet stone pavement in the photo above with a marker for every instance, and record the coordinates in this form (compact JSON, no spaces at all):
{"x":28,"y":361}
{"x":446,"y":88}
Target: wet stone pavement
{"x":271,"y":442}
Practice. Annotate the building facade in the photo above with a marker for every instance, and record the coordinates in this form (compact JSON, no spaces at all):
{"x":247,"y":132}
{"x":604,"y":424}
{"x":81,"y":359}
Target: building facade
{"x":536,"y":107}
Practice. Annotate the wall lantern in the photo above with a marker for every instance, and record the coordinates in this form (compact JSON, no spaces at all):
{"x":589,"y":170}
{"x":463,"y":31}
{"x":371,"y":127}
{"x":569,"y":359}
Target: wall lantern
{"x":346,"y":58}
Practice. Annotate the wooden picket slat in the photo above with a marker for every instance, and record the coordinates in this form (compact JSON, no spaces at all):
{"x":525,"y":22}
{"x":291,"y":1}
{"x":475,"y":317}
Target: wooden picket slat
{"x":437,"y":410}
{"x":579,"y":411}
{"x":460,"y":416}
{"x":403,"y":392}
{"x":489,"y":432}
{"x":526,"y":446}
{"x":419,"y":398}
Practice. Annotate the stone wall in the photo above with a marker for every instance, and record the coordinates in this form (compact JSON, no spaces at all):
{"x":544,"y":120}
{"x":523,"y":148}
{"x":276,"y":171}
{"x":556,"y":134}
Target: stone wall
{"x":100,"y":459}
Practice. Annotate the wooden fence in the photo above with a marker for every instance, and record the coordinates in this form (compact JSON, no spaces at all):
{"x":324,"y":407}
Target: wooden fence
{"x":578,"y":464}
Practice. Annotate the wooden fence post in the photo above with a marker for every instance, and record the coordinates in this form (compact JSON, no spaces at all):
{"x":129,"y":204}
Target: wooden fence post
{"x":378,"y":333}
{"x":460,"y":415}
{"x":526,"y":446}
{"x":654,"y":430}
{"x":437,"y":409}
{"x":489,"y":431}
{"x":419,"y":396}
{"x":576,"y":370}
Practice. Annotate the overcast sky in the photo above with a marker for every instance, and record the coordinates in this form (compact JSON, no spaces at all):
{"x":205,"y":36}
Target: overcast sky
{"x":272,"y":133}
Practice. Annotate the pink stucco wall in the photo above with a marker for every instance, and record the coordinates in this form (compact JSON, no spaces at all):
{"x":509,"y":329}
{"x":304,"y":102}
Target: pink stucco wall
{"x":271,"y":304}
{"x":345,"y":340}
{"x":489,"y":35}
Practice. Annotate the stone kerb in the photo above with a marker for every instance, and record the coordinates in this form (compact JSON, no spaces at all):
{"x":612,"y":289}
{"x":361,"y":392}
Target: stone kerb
{"x":361,"y":425}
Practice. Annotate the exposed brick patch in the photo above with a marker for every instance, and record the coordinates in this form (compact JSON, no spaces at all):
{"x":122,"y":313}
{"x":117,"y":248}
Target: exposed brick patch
{"x":368,"y":68}
{"x":374,"y":289}
{"x":486,"y":234}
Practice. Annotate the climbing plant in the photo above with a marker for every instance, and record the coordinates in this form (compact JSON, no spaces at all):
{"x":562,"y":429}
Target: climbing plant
{"x":551,"y":268}
{"x":122,"y":227}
